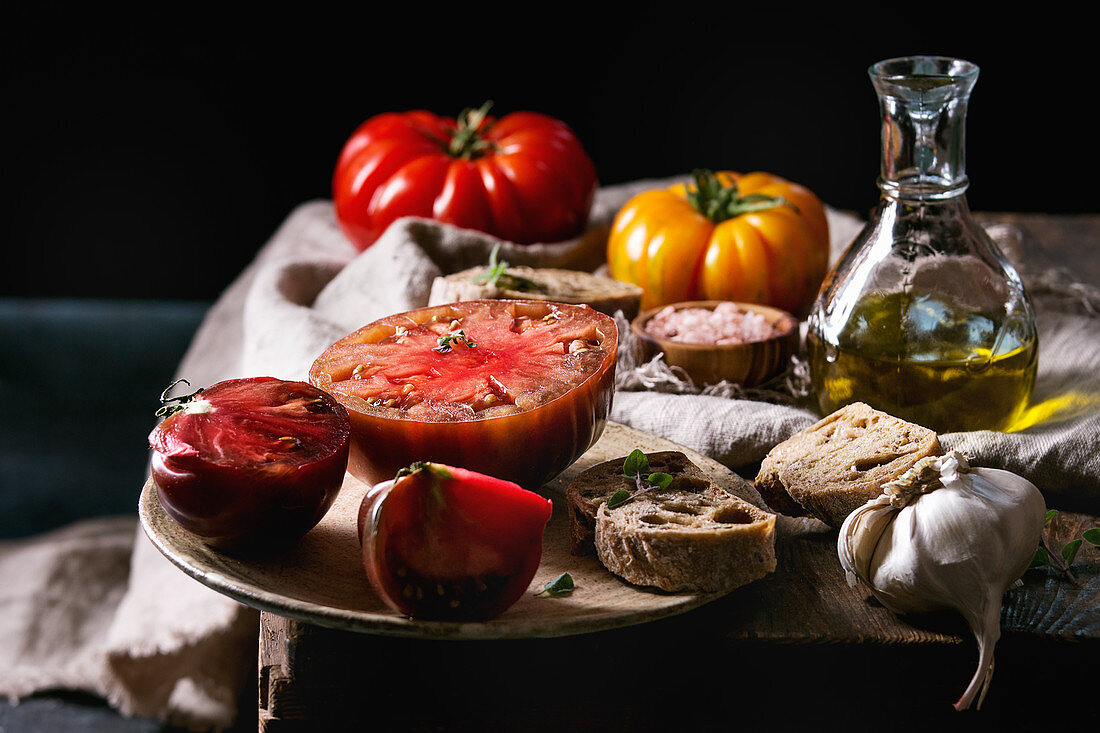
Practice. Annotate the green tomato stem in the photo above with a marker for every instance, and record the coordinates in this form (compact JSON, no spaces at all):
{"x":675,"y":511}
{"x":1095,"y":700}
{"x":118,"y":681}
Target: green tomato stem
{"x":467,"y":142}
{"x":718,"y":202}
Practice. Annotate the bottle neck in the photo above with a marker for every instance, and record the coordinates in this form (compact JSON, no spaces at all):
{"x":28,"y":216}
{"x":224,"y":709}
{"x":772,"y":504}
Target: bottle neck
{"x":923,"y":104}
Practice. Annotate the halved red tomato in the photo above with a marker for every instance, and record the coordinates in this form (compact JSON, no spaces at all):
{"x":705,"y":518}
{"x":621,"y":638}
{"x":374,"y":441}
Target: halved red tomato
{"x":445,"y":543}
{"x":518,"y":389}
{"x":250,"y":461}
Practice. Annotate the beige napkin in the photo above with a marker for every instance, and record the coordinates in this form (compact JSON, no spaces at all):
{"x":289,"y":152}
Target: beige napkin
{"x":95,"y":607}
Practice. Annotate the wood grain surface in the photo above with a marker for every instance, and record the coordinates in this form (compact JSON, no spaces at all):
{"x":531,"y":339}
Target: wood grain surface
{"x":321,"y":579}
{"x":797,"y":649}
{"x":806,"y":600}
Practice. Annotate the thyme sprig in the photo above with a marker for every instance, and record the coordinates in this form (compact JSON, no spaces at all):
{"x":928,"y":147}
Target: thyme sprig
{"x":454,"y":337}
{"x":636,"y":466}
{"x":498,"y":276}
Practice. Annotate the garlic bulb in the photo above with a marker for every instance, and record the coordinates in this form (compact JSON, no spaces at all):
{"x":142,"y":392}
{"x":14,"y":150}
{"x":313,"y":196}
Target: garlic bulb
{"x":947,"y":536}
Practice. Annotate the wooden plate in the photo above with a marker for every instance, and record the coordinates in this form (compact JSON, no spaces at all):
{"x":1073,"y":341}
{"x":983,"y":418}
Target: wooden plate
{"x":321,"y":579}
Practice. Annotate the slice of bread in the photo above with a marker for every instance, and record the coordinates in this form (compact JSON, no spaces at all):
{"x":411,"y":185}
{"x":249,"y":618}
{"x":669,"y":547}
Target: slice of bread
{"x":841,"y":462}
{"x":529,"y":283}
{"x":590,"y":489}
{"x":691,"y":536}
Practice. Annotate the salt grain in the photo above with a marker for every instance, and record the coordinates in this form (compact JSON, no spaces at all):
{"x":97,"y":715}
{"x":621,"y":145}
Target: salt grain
{"x":725,"y":324}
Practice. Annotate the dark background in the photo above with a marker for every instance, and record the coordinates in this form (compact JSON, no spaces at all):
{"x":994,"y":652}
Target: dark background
{"x":152,"y":157}
{"x":148,"y":155}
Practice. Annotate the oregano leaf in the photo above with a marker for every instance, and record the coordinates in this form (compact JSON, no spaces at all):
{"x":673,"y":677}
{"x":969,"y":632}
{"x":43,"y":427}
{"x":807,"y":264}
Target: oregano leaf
{"x":620,"y":497}
{"x":661,"y":480}
{"x":1092,"y":535}
{"x":1041,"y":558}
{"x":1051,"y":514}
{"x":636,"y":463}
{"x":1069,"y":552}
{"x":559,"y":586}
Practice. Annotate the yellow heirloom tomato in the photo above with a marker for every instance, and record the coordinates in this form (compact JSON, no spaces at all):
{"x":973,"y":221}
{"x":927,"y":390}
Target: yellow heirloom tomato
{"x":752,"y":238}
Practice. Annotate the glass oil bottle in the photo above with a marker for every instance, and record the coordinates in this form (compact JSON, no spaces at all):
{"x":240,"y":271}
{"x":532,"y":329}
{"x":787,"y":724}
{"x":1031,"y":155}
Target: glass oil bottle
{"x":923,"y":317}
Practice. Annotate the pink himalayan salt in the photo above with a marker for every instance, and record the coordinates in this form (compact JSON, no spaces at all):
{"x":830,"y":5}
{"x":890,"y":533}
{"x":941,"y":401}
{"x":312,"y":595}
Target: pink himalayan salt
{"x":726,"y":324}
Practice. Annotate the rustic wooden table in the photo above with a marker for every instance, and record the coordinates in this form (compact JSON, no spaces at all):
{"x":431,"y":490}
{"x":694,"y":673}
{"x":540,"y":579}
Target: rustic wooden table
{"x":798,"y":648}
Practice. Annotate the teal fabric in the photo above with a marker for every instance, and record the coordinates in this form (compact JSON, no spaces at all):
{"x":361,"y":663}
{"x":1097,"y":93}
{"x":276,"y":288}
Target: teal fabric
{"x":79,"y":381}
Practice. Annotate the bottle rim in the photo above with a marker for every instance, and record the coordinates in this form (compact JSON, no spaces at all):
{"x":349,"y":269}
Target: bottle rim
{"x":926,"y":66}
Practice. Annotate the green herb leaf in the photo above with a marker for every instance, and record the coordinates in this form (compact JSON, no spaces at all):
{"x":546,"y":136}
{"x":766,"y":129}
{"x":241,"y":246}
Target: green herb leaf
{"x":559,"y":586}
{"x":636,"y":466}
{"x":456,"y":337}
{"x":620,"y":497}
{"x":1092,"y":536}
{"x":496,"y":269}
{"x":1041,"y":558}
{"x":660,"y":480}
{"x":1051,"y":514}
{"x":498,"y":276}
{"x":1069,"y":552}
{"x":636,"y":463}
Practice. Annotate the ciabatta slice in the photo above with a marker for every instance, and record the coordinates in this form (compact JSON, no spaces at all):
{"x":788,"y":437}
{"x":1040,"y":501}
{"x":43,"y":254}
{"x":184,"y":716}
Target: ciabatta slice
{"x":841,"y":462}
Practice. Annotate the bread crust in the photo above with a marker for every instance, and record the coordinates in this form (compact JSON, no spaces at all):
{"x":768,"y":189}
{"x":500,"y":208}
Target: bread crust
{"x":692,"y":536}
{"x":563,"y":286}
{"x":841,"y":462}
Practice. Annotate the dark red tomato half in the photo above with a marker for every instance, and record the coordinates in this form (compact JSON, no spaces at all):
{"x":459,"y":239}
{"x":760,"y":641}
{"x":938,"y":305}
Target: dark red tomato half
{"x":509,"y":388}
{"x":251,"y":461}
{"x":524,"y":177}
{"x":444,"y":543}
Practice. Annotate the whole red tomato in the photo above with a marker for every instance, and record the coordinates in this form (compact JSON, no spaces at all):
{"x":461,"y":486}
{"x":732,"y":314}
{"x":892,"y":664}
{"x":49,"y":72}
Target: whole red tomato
{"x":524,"y":177}
{"x":445,"y":543}
{"x":511,"y":388}
{"x":250,"y":461}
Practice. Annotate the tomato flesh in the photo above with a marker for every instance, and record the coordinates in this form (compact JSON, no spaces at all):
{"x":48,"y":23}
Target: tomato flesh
{"x":445,"y":543}
{"x":251,"y":461}
{"x":521,"y":396}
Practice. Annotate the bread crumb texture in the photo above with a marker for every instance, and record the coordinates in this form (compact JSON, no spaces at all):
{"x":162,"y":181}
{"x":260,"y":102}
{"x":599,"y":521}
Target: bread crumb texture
{"x":692,"y":536}
{"x":841,"y":462}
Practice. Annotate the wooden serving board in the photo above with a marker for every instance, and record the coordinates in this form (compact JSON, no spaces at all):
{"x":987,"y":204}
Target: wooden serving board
{"x":806,"y":600}
{"x":321,"y":579}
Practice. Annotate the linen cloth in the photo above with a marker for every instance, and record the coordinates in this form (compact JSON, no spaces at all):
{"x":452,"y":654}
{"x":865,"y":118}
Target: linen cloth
{"x":95,"y":607}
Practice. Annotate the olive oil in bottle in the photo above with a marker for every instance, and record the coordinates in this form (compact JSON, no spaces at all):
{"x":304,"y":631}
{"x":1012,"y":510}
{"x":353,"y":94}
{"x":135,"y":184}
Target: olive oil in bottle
{"x":923,"y":317}
{"x":945,"y":380}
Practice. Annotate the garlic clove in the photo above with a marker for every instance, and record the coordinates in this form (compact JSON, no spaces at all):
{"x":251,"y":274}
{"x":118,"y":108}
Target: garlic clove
{"x":947,"y":536}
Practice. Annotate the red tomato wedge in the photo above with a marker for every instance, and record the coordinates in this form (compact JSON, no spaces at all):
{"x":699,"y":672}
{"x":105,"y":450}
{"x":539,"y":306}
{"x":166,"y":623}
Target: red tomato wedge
{"x":250,"y":461}
{"x":518,"y":390}
{"x":445,"y":543}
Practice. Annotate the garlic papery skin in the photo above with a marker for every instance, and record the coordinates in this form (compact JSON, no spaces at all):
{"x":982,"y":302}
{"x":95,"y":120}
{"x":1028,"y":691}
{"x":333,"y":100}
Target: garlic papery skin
{"x":946,"y":536}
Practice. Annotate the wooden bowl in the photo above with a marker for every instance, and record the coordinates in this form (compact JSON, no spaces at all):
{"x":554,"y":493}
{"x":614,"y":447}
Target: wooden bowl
{"x":749,"y":364}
